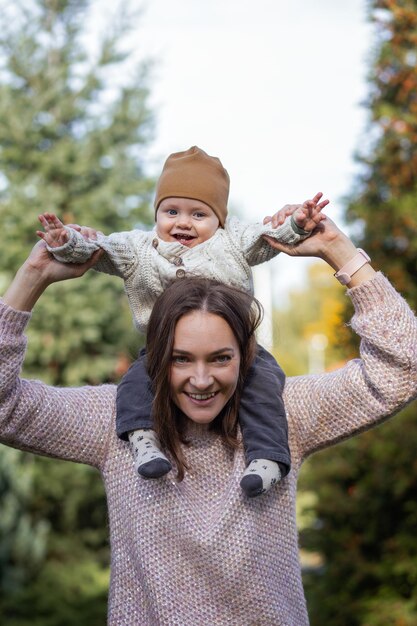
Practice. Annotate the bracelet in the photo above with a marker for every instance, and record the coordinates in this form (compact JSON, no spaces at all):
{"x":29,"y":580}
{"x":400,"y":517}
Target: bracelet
{"x":344,"y":275}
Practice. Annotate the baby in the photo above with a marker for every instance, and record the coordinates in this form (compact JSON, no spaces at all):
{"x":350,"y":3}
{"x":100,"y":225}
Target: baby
{"x":193,"y":236}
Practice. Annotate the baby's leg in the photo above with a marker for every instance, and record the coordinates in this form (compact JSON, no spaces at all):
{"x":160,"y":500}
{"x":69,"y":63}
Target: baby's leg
{"x":264,"y":426}
{"x":134,"y":422}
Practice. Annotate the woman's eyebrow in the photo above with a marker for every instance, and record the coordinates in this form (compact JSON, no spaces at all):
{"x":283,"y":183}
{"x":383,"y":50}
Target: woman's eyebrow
{"x":223,"y":350}
{"x":219,"y":351}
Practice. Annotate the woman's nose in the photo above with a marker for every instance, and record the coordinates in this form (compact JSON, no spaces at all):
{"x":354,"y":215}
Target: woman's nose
{"x":201,"y":378}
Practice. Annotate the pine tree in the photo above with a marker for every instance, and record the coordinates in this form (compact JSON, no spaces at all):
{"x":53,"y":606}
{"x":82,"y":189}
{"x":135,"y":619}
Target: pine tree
{"x":385,"y":197}
{"x":70,"y":145}
{"x":365,"y":505}
{"x":74,"y":128}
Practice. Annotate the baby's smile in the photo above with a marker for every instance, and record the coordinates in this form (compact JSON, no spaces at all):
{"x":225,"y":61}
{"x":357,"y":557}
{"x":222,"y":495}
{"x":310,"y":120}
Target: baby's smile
{"x":183,"y":238}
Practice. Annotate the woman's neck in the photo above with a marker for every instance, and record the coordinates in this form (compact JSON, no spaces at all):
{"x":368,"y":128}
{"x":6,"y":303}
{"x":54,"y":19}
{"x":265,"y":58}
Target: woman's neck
{"x":197,"y":430}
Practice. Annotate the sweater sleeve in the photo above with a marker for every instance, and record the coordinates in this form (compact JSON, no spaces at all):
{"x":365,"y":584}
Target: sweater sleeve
{"x":326,"y":408}
{"x":72,"y":423}
{"x":249,"y":238}
{"x":120,"y":256}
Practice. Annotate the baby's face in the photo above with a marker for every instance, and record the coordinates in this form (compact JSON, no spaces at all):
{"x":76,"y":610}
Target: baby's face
{"x":187,"y":221}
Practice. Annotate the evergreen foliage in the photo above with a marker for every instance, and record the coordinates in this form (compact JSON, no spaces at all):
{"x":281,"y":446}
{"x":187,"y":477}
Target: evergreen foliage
{"x":385,"y":198}
{"x":365,"y":506}
{"x":365,"y":519}
{"x":70,"y":145}
{"x":74,"y":128}
{"x":22,"y":537}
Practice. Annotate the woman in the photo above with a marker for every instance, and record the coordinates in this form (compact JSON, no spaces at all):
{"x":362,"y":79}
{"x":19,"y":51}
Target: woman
{"x":196,"y":551}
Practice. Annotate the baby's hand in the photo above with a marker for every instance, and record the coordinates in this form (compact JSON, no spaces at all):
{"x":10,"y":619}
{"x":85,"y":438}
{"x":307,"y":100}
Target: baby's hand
{"x":53,"y":233}
{"x":297,"y":210}
{"x":308,"y":215}
{"x":280,"y":216}
{"x":87,"y":233}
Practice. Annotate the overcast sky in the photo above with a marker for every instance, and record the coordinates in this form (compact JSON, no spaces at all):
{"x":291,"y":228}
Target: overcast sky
{"x":271,"y":87}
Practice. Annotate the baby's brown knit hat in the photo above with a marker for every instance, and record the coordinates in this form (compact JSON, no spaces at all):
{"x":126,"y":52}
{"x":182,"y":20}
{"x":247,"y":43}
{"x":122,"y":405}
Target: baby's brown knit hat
{"x":196,"y":175}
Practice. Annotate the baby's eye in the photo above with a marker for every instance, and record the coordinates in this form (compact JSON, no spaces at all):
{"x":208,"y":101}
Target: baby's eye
{"x":199,"y":214}
{"x":172,"y":211}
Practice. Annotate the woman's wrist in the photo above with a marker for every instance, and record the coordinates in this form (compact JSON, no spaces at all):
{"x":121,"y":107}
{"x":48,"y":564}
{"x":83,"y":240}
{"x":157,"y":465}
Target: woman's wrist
{"x":340,"y":253}
{"x":26,"y":288}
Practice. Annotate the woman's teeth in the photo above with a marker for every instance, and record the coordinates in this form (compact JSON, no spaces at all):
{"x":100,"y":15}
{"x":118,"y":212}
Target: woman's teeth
{"x":201,"y":396}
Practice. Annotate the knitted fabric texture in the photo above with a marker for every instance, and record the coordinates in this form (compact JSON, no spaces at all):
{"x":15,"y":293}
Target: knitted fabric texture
{"x":148,"y":265}
{"x":196,"y":175}
{"x":198,"y":552}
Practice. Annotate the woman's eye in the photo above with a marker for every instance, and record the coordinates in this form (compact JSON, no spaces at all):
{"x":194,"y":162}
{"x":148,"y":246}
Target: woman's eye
{"x":223,"y":358}
{"x":179,"y":359}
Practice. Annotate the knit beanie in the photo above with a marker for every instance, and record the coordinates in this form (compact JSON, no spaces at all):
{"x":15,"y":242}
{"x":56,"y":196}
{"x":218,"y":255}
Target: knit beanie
{"x":196,"y":175}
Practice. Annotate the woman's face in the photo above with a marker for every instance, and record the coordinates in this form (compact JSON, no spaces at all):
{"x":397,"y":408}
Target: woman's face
{"x":205,"y":365}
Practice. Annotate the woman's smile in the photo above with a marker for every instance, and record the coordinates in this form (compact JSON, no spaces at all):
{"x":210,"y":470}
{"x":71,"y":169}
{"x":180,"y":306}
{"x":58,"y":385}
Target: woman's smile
{"x":201,"y":397}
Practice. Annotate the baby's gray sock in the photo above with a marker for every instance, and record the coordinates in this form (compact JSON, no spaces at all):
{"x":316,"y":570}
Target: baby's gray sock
{"x":259,"y":476}
{"x":150,"y":462}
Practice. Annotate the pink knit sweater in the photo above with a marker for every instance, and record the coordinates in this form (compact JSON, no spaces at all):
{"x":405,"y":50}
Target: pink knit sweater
{"x":198,"y":552}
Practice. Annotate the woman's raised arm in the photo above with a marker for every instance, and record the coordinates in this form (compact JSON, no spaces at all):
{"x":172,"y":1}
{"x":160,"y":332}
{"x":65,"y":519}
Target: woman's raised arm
{"x":38,"y":272}
{"x":68,"y":423}
{"x":326,"y":408}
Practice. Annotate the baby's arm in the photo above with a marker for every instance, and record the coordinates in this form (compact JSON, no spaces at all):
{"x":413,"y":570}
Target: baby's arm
{"x":76,"y":244}
{"x":282,"y":227}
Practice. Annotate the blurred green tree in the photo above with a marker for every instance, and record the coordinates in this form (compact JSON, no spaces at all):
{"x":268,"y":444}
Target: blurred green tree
{"x":315,"y":310}
{"x":74,"y":129}
{"x":22,"y":537}
{"x":365,"y":506}
{"x":365,"y":515}
{"x":72,"y":142}
{"x":383,"y":206}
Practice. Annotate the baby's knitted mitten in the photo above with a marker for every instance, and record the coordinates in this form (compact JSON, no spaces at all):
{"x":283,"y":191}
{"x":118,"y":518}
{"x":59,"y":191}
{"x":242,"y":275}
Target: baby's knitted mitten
{"x":150,"y":462}
{"x":259,"y":476}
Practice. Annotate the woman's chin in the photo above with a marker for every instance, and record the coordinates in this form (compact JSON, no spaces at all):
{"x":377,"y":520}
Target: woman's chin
{"x":203,"y":420}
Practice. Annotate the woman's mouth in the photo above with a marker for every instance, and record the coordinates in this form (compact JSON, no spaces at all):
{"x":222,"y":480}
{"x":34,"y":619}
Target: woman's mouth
{"x":201,"y":398}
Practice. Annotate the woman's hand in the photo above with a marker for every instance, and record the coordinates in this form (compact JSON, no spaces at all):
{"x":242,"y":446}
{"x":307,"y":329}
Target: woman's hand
{"x":38,"y":271}
{"x":329,"y":243}
{"x":42,"y":263}
{"x":325,"y":235}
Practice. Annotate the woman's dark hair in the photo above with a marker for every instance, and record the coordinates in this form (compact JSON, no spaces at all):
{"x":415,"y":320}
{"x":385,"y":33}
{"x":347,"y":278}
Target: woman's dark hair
{"x":243,"y":314}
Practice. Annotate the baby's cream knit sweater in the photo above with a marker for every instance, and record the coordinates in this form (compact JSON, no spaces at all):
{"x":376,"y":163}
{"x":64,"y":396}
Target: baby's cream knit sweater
{"x":147,"y":264}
